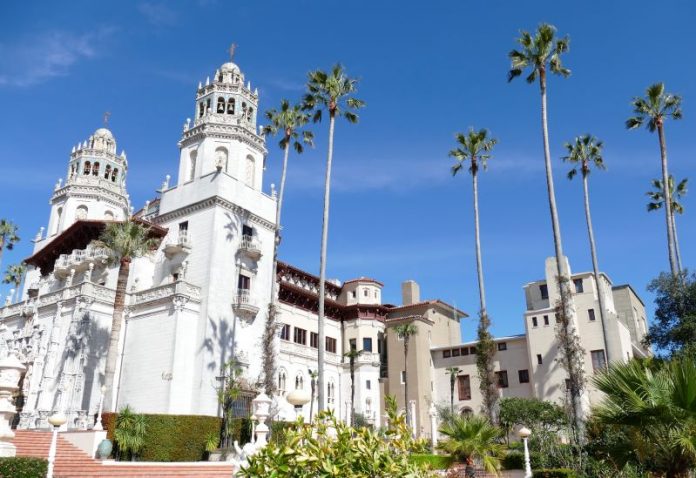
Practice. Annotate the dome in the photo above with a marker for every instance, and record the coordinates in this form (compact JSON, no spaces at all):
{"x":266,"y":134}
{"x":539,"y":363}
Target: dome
{"x":229,"y":66}
{"x":103,"y":133}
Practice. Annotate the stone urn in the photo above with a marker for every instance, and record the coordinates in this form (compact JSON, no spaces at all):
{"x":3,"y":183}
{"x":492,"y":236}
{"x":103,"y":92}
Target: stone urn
{"x":104,"y":449}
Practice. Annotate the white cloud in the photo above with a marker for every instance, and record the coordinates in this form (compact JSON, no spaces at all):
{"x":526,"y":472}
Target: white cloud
{"x":158,"y":14}
{"x":39,"y":58}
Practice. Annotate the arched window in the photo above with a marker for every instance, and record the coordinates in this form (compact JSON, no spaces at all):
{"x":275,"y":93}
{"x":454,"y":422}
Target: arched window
{"x":88,"y":168}
{"x":56,"y":223}
{"x":95,"y":169}
{"x":299,"y":382}
{"x":221,"y":105}
{"x":221,"y":159}
{"x":109,"y":216}
{"x":230,"y":106}
{"x":192,"y":166}
{"x":331,"y":393}
{"x":250,"y":172}
{"x":107,"y":171}
{"x":467,"y":412}
{"x":201,"y":109}
{"x":81,"y":213}
{"x":250,"y":113}
{"x":114,"y":175}
{"x":207,"y":105}
{"x":73,"y":170}
{"x":282,"y":381}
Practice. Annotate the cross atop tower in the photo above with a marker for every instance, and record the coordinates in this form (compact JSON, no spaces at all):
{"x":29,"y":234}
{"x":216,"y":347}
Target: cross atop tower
{"x":233,"y":47}
{"x":107,"y":115}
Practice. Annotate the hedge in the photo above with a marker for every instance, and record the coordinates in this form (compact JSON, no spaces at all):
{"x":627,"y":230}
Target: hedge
{"x":555,"y":473}
{"x":514,"y":460}
{"x":435,"y":462}
{"x":23,"y":467}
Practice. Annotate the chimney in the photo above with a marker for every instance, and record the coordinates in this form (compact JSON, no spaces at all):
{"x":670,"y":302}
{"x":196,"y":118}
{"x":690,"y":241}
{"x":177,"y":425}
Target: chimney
{"x":410,"y":292}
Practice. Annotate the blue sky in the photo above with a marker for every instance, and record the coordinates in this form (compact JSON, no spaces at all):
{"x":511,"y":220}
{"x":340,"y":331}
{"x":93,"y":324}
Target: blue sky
{"x":427,"y":70}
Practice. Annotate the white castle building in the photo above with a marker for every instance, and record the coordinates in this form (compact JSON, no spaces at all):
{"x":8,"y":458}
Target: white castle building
{"x":202,"y":298}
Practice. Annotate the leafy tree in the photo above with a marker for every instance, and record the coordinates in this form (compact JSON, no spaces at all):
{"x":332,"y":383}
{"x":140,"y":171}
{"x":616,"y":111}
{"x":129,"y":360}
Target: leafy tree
{"x":453,"y":372}
{"x":227,"y":394}
{"x":15,"y":275}
{"x":130,"y":432}
{"x":540,"y":54}
{"x":473,"y":439}
{"x":537,"y":415}
{"x":288,"y":121}
{"x":352,"y":355}
{"x":674,"y":324}
{"x":405,"y":332}
{"x":333,"y":92}
{"x":8,"y":236}
{"x":657,"y":200}
{"x":656,"y":409}
{"x":126,"y":240}
{"x":652,"y":111}
{"x":584,"y":153}
{"x":474,"y":151}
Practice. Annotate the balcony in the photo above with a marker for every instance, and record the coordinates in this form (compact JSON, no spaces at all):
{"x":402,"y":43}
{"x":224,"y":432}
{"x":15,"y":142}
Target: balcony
{"x":80,"y":260}
{"x":177,"y":243}
{"x":251,"y":247}
{"x":244,"y":305}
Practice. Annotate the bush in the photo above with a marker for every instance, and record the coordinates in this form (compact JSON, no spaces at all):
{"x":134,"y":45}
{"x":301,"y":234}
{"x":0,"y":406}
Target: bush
{"x":514,"y":460}
{"x":434,"y":462}
{"x":23,"y":467}
{"x":176,"y":437}
{"x":555,"y":473}
{"x":279,"y":431}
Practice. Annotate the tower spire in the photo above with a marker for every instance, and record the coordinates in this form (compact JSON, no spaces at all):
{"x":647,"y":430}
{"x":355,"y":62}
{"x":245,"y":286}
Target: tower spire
{"x":232,"y":49}
{"x":107,"y":115}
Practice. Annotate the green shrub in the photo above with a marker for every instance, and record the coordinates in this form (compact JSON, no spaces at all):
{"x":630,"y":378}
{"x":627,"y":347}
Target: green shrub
{"x":434,"y":462}
{"x":279,"y":431}
{"x":177,"y":437}
{"x":514,"y":460}
{"x":23,"y":467}
{"x":555,"y":473}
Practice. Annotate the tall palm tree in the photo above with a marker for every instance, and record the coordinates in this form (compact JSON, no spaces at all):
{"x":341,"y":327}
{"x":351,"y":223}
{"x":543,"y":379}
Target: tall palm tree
{"x":474,"y":151}
{"x":453,"y":372}
{"x":657,"y":197}
{"x":352,"y":356}
{"x":653,"y":110}
{"x":313,"y":390}
{"x":405,"y":332}
{"x":586,"y":152}
{"x":288,"y":121}
{"x":15,"y":275}
{"x":8,"y":236}
{"x":472,"y":439}
{"x":333,"y":92}
{"x":655,"y":406}
{"x":540,"y":54}
{"x":126,"y":240}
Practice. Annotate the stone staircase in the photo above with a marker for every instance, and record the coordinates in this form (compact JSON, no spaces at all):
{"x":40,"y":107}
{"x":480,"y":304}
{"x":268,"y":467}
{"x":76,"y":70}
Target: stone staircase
{"x":72,"y":462}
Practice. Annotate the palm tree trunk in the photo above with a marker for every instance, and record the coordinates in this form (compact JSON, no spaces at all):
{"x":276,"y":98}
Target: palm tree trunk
{"x":561,"y":270}
{"x":677,"y":251}
{"x":115,"y":334}
{"x":322,"y":266}
{"x":452,"y":395}
{"x":352,"y":392}
{"x":479,"y":267}
{"x":269,"y":364}
{"x":408,"y":414}
{"x":595,"y":268}
{"x":667,"y":197}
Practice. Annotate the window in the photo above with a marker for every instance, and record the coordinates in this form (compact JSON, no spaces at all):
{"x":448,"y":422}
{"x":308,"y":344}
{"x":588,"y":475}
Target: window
{"x":455,"y":352}
{"x":365,"y":292}
{"x":502,"y":379}
{"x":114,"y":175}
{"x":250,"y":171}
{"x":464,"y":387}
{"x":446,"y":353}
{"x":282,"y":380}
{"x":331,"y":345}
{"x":81,"y":213}
{"x":367,"y":344}
{"x":192,"y":166}
{"x":544,"y":289}
{"x":230,"y":106}
{"x":109,"y":216}
{"x":299,"y":381}
{"x":95,"y":169}
{"x":546,"y":320}
{"x":247,"y":230}
{"x":244,"y":282}
{"x":403,"y":377}
{"x":523,"y":376}
{"x":502,"y":345}
{"x":107,"y":171}
{"x":472,"y":350}
{"x":578,"y":286}
{"x":313,"y":340}
{"x":221,"y":159}
{"x":207,"y":105}
{"x":285,"y":332}
{"x":331,"y":393}
{"x":221,"y":105}
{"x":300,"y":336}
{"x":599,"y":360}
{"x":183,"y":226}
{"x":368,"y":385}
{"x":465,"y":350}
{"x":534,"y":322}
{"x":591,"y":315}
{"x":88,"y":168}
{"x":353,"y":344}
{"x":201,"y":109}
{"x":353,"y":294}
{"x":539,"y":359}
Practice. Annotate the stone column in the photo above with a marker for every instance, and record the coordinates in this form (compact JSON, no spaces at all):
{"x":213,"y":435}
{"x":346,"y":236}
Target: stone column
{"x":433,"y":425}
{"x":414,"y":421}
{"x":10,"y":371}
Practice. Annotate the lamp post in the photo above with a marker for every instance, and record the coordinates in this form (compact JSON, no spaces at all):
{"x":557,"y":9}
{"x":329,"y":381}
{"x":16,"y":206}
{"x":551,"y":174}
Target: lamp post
{"x":56,"y":420}
{"x":98,"y":424}
{"x":253,"y":419}
{"x":524,"y":433}
{"x":298,"y":398}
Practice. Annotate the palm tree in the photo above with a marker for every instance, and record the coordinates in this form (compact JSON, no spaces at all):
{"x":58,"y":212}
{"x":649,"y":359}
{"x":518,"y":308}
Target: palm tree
{"x":541,"y":53}
{"x":332,"y":92}
{"x":352,"y":356}
{"x":472,"y":439}
{"x":655,"y":407}
{"x":653,"y":110}
{"x":8,"y":236}
{"x":15,"y":275}
{"x":657,"y":197}
{"x":313,"y":389}
{"x":584,"y":152}
{"x":287,"y":121}
{"x":405,"y":332}
{"x":474,"y":151}
{"x":126,"y":240}
{"x":453,"y":372}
